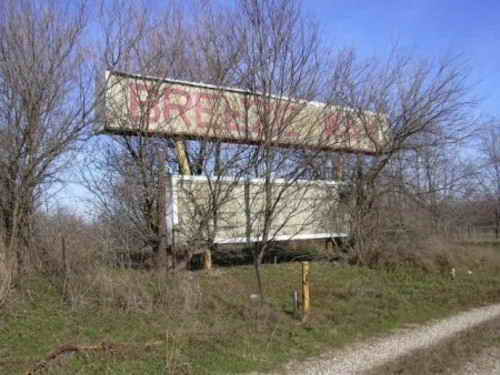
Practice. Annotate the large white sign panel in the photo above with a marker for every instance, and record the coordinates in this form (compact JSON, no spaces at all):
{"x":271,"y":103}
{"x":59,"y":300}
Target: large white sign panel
{"x":306,"y":210}
{"x":152,"y":107}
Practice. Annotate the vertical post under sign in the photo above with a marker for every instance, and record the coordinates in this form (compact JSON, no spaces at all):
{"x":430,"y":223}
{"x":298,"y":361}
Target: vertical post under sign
{"x":183,"y":157}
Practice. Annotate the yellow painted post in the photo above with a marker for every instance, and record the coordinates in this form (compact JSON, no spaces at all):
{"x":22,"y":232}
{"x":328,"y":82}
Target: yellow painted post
{"x":207,"y":259}
{"x":306,"y":295}
{"x":183,"y":157}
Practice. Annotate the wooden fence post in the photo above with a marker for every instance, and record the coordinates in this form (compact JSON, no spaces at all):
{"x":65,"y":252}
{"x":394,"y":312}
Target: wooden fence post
{"x":306,"y":296}
{"x":207,"y":259}
{"x":295,"y":303}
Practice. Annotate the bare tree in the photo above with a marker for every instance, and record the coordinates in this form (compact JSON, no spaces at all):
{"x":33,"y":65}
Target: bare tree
{"x":127,"y":177}
{"x":490,"y":171}
{"x":276,"y":58}
{"x":427,"y":106}
{"x":437,"y":181}
{"x":44,"y":106}
{"x":124,"y":171}
{"x":283,"y":64}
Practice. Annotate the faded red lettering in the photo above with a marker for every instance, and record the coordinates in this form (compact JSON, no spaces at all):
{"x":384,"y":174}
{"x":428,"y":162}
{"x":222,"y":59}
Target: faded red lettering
{"x":244,"y":127}
{"x":205,"y":106}
{"x":293,"y":134}
{"x":265,"y":115}
{"x":140,"y":106}
{"x":332,"y":125}
{"x":355,"y":129}
{"x":231,"y":118}
{"x":171,"y":105}
{"x":257,"y":128}
{"x":372,"y":127}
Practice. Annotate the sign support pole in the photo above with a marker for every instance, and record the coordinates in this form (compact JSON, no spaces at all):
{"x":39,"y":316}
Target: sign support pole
{"x":183,"y":157}
{"x":162,"y":213}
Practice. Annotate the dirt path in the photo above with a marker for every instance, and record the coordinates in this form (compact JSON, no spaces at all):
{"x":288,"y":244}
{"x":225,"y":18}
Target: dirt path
{"x":366,"y":356}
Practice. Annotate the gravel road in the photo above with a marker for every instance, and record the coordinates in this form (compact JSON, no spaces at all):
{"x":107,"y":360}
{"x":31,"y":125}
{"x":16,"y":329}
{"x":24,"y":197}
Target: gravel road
{"x":488,"y":363}
{"x":364,"y":356}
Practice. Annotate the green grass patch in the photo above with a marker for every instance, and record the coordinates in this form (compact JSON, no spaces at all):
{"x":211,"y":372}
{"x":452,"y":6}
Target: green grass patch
{"x":215,"y":328}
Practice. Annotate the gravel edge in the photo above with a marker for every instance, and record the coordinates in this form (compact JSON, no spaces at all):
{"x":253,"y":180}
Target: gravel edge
{"x":486,"y":364}
{"x":366,"y":355}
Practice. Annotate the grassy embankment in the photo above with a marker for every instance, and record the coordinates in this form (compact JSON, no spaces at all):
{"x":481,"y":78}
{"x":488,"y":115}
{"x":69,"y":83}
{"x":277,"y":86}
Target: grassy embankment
{"x":206,"y":323}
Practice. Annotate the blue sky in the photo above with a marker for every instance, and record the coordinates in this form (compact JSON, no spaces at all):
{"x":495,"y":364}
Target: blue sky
{"x":427,"y":28}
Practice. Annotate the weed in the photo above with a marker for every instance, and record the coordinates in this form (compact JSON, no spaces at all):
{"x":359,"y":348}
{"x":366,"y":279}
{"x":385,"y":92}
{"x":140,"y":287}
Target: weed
{"x":208,"y":323}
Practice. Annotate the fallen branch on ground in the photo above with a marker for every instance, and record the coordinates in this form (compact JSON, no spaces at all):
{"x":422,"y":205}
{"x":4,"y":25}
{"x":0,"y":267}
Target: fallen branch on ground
{"x":69,"y":348}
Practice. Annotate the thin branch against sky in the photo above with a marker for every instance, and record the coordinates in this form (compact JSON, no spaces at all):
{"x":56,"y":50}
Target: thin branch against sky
{"x":425,"y":28}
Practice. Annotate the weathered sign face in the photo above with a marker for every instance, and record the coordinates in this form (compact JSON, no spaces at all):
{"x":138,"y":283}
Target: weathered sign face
{"x":306,"y":210}
{"x":153,"y":107}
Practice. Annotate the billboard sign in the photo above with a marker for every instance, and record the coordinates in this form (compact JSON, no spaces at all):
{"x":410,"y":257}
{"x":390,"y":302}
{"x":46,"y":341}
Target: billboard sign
{"x":306,"y":210}
{"x":149,"y":106}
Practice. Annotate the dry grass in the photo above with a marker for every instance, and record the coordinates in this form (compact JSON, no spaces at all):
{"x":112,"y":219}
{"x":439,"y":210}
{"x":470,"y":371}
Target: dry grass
{"x":5,"y":279}
{"x":7,"y":270}
{"x":432,"y":254}
{"x":207,"y":321}
{"x":133,"y":290}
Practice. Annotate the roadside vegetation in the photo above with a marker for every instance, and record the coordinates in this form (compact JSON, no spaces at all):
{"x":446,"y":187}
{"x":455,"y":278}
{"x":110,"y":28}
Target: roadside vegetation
{"x":112,"y":287}
{"x":452,"y":356}
{"x":126,"y":321}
